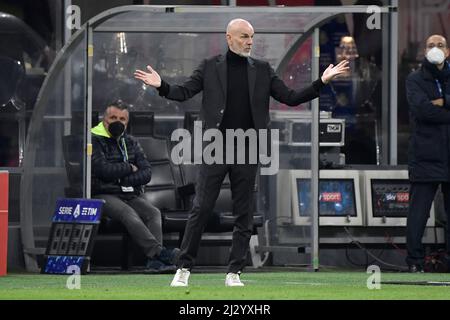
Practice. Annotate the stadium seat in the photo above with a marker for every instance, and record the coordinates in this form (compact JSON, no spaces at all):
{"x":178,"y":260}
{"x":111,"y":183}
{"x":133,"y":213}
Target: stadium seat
{"x":162,"y":191}
{"x":141,"y":123}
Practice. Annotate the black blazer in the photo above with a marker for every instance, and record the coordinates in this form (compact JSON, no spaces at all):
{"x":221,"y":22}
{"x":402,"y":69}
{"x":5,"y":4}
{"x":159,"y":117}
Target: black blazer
{"x":211,"y":77}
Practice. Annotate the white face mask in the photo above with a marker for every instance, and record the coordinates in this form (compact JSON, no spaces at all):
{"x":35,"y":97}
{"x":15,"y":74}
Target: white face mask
{"x":436,"y":56}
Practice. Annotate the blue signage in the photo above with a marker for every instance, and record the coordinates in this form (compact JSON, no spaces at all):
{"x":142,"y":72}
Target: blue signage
{"x":74,"y":226}
{"x":61,"y":264}
{"x":78,"y":210}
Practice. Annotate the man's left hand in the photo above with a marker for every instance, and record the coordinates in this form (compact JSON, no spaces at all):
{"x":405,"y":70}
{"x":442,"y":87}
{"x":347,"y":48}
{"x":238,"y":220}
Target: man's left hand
{"x":334,"y":71}
{"x":438,"y":102}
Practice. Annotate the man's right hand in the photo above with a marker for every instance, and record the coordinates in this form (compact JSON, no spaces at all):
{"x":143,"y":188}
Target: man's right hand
{"x":438,"y":102}
{"x":134,"y":167}
{"x":150,"y":78}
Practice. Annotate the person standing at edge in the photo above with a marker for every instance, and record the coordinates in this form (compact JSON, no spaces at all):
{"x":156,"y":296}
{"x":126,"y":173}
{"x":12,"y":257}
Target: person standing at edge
{"x":236,"y":93}
{"x":428,"y":93}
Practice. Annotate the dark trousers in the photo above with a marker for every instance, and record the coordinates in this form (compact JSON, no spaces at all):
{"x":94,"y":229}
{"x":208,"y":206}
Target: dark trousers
{"x":141,"y":219}
{"x":421,"y":198}
{"x":209,"y":181}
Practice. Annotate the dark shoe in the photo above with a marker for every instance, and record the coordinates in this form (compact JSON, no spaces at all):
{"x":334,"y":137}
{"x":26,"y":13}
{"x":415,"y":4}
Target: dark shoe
{"x":415,"y":268}
{"x":169,"y":256}
{"x":157,"y":266}
{"x":154,"y":264}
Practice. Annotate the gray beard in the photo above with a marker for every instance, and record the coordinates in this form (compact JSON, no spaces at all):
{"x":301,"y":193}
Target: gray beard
{"x":242,"y":54}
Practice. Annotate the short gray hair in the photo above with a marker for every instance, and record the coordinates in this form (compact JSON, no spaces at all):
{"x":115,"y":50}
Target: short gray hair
{"x":234,"y":21}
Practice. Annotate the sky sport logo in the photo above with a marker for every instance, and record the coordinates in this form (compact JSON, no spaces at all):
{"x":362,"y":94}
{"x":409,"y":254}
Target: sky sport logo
{"x":397,"y":197}
{"x":330,"y":197}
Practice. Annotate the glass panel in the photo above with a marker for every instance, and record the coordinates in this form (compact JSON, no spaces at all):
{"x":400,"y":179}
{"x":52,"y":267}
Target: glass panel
{"x":175,"y":56}
{"x":416,"y":23}
{"x":24,"y":60}
{"x":59,"y":152}
{"x":278,"y":192}
{"x":356,"y":97}
{"x":207,"y":22}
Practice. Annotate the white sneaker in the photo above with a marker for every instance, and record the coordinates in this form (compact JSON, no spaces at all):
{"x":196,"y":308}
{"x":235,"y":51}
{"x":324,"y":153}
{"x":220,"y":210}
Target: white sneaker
{"x":233,"y":280}
{"x":181,"y":278}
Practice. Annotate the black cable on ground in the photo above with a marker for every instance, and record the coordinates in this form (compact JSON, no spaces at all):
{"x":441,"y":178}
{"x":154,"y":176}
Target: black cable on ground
{"x":359,"y":245}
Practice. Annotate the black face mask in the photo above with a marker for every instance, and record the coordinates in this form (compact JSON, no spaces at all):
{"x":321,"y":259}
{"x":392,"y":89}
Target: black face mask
{"x":116,"y":129}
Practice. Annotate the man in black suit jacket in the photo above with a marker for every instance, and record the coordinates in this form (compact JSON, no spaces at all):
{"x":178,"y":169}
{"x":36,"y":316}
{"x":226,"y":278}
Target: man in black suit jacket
{"x":236,"y":94}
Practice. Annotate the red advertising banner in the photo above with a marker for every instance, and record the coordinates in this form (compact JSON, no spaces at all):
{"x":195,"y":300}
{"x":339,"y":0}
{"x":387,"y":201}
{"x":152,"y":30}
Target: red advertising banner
{"x":4,"y":186}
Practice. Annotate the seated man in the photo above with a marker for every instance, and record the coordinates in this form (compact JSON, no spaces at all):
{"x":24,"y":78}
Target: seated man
{"x":119,"y":172}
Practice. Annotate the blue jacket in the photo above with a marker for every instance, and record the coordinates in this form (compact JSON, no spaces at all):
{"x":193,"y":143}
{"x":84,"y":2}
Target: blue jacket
{"x":429,"y":144}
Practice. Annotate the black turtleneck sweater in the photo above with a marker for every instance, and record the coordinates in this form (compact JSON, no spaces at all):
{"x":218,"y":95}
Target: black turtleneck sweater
{"x":238,"y":114}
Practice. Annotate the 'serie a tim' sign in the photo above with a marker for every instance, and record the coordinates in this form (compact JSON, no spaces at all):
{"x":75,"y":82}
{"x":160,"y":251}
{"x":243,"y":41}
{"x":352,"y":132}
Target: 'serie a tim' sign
{"x":77,"y":210}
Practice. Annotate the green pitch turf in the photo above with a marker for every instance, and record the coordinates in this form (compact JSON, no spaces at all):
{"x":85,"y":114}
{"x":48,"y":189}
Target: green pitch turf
{"x":210,"y":286}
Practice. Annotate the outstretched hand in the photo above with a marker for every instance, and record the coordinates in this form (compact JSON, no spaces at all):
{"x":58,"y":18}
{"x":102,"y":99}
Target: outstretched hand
{"x":150,"y":78}
{"x":334,"y":71}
